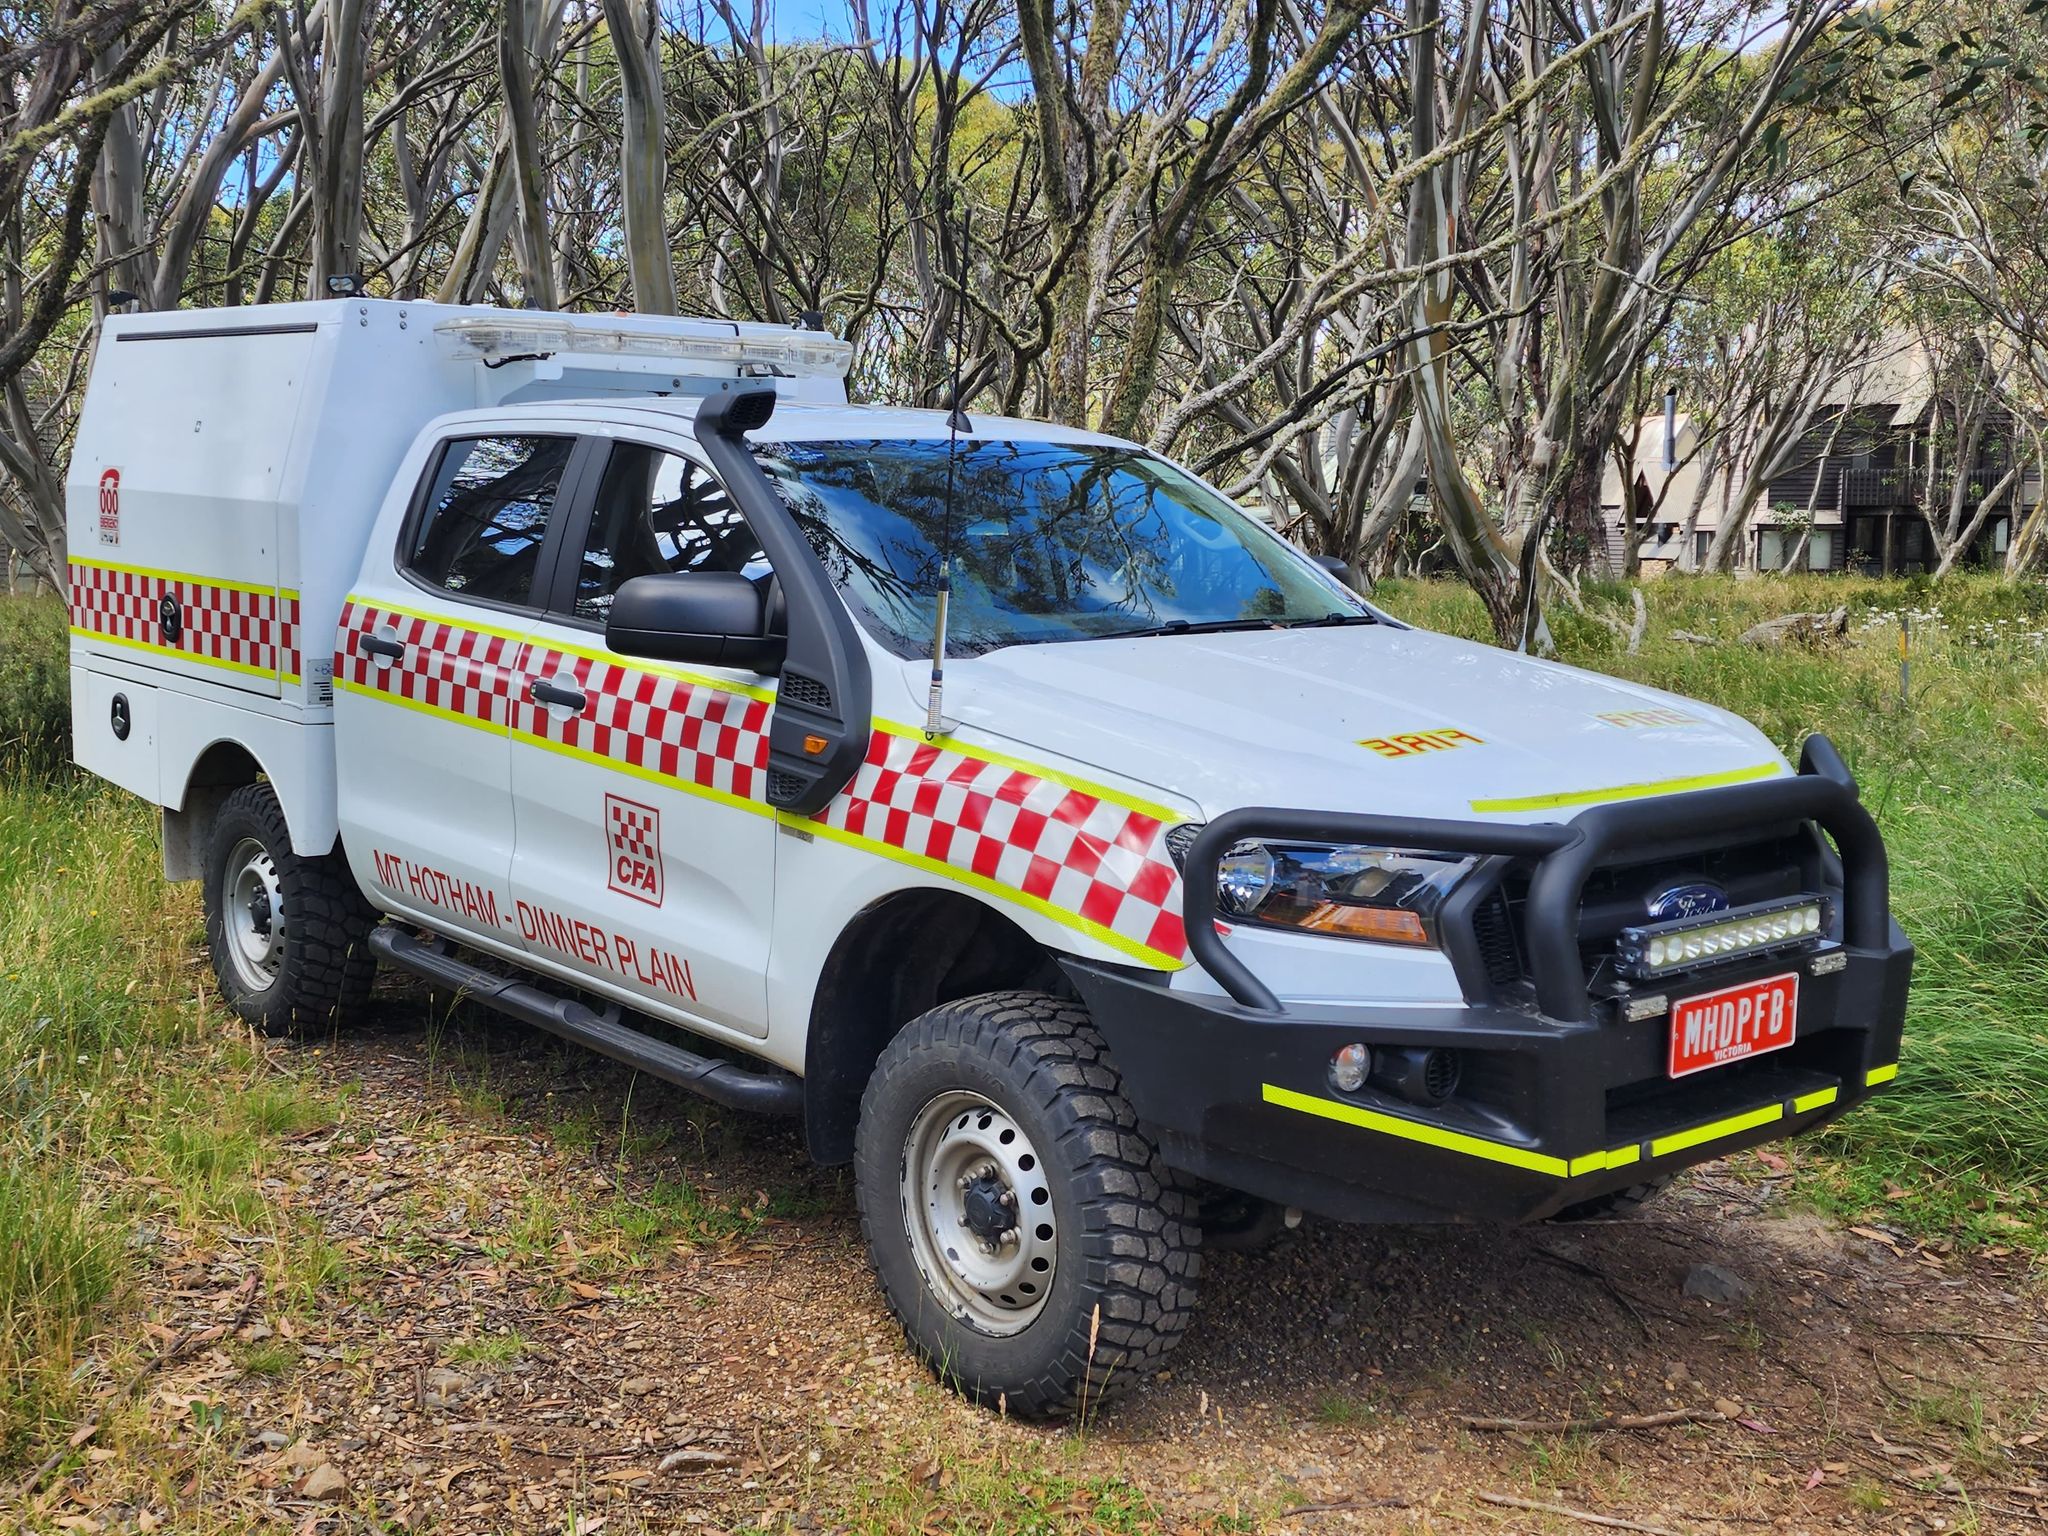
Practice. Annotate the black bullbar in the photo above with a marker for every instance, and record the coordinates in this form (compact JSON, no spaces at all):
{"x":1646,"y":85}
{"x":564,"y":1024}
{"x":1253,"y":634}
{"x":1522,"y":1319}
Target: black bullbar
{"x":1557,"y":1095}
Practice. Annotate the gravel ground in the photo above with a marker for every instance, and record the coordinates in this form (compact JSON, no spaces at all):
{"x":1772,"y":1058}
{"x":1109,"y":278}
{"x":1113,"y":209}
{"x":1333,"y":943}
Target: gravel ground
{"x":546,"y":1297}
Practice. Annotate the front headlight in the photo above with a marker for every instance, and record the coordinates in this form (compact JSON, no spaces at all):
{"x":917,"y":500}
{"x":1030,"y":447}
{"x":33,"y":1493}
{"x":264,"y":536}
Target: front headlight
{"x":1389,"y":895}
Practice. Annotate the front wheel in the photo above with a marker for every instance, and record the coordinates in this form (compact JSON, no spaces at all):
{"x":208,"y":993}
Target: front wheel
{"x":1038,"y":1253}
{"x":288,"y":935}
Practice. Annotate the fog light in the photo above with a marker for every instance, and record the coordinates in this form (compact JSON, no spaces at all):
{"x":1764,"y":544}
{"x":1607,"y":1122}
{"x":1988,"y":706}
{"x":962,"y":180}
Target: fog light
{"x":1350,"y":1067}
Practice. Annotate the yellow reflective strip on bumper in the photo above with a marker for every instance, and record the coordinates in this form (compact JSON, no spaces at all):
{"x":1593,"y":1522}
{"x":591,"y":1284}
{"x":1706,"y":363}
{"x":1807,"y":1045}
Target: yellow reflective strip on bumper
{"x":1629,"y":791}
{"x":1878,"y":1075}
{"x":1411,"y":1130}
{"x":1594,"y":1162}
{"x":1820,"y":1100}
{"x":1734,"y":1125}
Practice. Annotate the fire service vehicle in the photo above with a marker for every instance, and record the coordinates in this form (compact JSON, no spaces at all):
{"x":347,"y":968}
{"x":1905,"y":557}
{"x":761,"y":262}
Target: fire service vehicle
{"x":1088,"y":867}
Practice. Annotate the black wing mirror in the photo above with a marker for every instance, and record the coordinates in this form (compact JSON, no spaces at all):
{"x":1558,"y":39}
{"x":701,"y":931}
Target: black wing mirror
{"x":1342,"y":571}
{"x":711,"y":618}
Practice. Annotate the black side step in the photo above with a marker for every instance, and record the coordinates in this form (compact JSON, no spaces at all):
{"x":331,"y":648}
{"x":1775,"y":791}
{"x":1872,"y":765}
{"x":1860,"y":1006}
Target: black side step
{"x":769,"y":1091}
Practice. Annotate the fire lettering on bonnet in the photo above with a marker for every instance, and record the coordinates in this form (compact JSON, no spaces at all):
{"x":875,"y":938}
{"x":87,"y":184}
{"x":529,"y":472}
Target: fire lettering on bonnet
{"x":1416,"y":743}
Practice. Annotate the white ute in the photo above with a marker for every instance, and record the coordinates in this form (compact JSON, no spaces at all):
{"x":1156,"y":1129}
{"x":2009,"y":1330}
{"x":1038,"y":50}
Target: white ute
{"x":585,"y":664}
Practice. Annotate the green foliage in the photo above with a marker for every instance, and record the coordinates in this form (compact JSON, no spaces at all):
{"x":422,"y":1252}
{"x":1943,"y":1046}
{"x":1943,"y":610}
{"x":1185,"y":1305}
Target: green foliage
{"x":35,"y":685}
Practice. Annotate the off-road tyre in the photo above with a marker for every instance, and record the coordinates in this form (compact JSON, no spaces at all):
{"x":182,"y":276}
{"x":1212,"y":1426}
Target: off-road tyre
{"x":1128,"y":1240}
{"x":322,"y":967}
{"x":1616,"y":1204}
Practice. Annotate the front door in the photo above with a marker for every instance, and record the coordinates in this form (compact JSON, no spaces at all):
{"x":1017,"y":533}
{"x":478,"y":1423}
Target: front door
{"x":426,"y":664}
{"x":645,"y":856}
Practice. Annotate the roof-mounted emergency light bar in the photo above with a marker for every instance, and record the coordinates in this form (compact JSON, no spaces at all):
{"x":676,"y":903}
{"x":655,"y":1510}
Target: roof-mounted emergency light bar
{"x":657,"y":344}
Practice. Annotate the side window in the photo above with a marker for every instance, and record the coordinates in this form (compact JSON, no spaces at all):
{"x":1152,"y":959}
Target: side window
{"x":486,"y":515}
{"x":655,"y":512}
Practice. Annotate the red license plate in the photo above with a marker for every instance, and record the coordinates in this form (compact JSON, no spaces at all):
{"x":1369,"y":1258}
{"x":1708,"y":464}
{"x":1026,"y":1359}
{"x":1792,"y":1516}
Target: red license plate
{"x":1748,"y":1019}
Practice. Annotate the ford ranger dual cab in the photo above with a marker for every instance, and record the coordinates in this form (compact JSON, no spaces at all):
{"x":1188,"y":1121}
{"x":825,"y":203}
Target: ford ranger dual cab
{"x":1083,"y":863}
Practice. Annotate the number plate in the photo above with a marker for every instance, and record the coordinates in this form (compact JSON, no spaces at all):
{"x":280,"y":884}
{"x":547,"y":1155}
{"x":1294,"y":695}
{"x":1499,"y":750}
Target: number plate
{"x":1748,"y":1019}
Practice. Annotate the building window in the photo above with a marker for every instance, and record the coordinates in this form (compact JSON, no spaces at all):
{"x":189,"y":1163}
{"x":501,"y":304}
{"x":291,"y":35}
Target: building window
{"x":1820,"y":550}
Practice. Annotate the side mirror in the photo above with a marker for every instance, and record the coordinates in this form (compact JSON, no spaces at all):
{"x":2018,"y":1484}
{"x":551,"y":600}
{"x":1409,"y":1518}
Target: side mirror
{"x":711,"y":618}
{"x":1342,"y":571}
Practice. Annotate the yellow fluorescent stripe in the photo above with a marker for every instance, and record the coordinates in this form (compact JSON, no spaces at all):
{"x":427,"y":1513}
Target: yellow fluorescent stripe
{"x":1593,"y":1162}
{"x":420,"y":706}
{"x":190,"y":578}
{"x":632,"y":770}
{"x":462,"y":620}
{"x":1734,"y":1125}
{"x":1157,"y":959}
{"x":1411,"y":1130}
{"x":1629,"y":791}
{"x":1878,"y":1075}
{"x":1037,"y":770}
{"x":152,"y":648}
{"x":1819,"y":1100}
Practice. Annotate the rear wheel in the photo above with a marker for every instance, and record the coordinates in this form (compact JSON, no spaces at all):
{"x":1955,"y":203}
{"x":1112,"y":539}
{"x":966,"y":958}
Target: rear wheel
{"x":1037,"y":1252}
{"x":288,"y":935}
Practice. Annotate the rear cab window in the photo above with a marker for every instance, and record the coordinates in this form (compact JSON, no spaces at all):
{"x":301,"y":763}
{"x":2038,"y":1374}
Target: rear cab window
{"x":480,"y":529}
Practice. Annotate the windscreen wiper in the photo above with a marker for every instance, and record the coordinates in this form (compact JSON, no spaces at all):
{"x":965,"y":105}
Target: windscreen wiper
{"x":1190,"y":627}
{"x":1330,"y":621}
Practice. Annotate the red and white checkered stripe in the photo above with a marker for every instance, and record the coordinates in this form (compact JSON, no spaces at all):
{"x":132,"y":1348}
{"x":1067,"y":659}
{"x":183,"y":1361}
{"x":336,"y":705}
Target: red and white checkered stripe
{"x":681,"y":730}
{"x":445,"y":667}
{"x":1088,"y":856}
{"x":1080,"y":854}
{"x":249,"y":630}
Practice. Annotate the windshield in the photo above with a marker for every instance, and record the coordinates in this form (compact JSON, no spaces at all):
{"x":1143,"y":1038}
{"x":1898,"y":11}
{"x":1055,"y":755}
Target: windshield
{"x":1049,"y":541}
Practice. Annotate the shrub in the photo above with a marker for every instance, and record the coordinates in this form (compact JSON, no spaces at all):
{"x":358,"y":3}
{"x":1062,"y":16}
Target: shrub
{"x":35,"y":685}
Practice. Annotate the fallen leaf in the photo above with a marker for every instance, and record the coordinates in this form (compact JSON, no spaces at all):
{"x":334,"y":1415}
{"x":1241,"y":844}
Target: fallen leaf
{"x":1813,"y":1478}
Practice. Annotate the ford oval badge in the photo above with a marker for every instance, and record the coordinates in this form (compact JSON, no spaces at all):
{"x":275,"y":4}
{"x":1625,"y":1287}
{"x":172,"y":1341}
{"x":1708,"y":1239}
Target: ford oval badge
{"x":1687,"y":901}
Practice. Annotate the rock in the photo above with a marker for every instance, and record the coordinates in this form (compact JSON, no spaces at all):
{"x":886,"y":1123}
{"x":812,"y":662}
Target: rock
{"x":1690,"y":638}
{"x":1799,"y":628}
{"x":1727,"y":1407}
{"x":272,"y":1439}
{"x":638,"y":1386}
{"x":325,"y":1483}
{"x":1710,"y":1282}
{"x":441,"y":1386}
{"x":303,"y":1454}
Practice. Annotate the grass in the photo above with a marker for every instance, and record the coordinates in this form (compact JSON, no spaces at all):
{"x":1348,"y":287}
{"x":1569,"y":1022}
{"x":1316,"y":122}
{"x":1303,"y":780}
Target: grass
{"x":1956,"y":770}
{"x":128,"y":1101}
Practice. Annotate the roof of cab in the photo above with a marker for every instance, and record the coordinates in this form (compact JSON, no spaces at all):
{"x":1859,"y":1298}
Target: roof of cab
{"x":797,"y":422}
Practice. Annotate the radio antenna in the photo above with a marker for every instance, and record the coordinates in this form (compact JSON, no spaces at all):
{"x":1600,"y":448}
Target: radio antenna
{"x":956,"y":423}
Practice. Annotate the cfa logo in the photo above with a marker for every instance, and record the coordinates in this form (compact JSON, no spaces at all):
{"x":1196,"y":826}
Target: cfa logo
{"x":633,"y":844}
{"x":110,"y":506}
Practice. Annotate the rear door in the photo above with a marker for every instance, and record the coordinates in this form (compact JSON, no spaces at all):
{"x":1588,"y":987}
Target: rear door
{"x":425,"y":672}
{"x":645,"y":854}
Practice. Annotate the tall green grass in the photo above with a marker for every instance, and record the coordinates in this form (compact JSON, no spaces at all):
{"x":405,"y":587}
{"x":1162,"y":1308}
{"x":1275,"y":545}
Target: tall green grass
{"x":1955,"y":768}
{"x":128,"y":1102}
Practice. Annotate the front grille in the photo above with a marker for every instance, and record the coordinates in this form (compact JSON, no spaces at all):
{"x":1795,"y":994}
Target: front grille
{"x":1783,"y":863}
{"x":783,"y":787}
{"x":1500,"y":954}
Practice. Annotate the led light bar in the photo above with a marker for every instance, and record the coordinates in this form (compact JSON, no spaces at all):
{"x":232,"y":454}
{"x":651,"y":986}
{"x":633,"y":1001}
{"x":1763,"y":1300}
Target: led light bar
{"x":495,"y":338}
{"x":1688,"y":943}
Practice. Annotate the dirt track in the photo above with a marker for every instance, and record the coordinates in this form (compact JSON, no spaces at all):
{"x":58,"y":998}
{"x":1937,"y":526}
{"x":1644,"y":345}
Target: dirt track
{"x":537,"y":1329}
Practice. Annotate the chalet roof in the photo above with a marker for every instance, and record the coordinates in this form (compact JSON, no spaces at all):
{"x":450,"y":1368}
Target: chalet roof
{"x":1899,"y":374}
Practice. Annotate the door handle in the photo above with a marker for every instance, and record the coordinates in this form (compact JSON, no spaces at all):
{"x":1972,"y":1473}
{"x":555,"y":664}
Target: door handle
{"x":549,"y":693}
{"x":377,"y":645}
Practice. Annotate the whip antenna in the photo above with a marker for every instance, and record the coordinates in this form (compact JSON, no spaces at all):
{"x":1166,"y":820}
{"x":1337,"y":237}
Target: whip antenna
{"x":956,"y":423}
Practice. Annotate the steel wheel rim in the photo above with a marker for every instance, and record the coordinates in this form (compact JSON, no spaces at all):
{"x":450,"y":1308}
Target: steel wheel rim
{"x":252,"y":913}
{"x":962,"y":1157}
